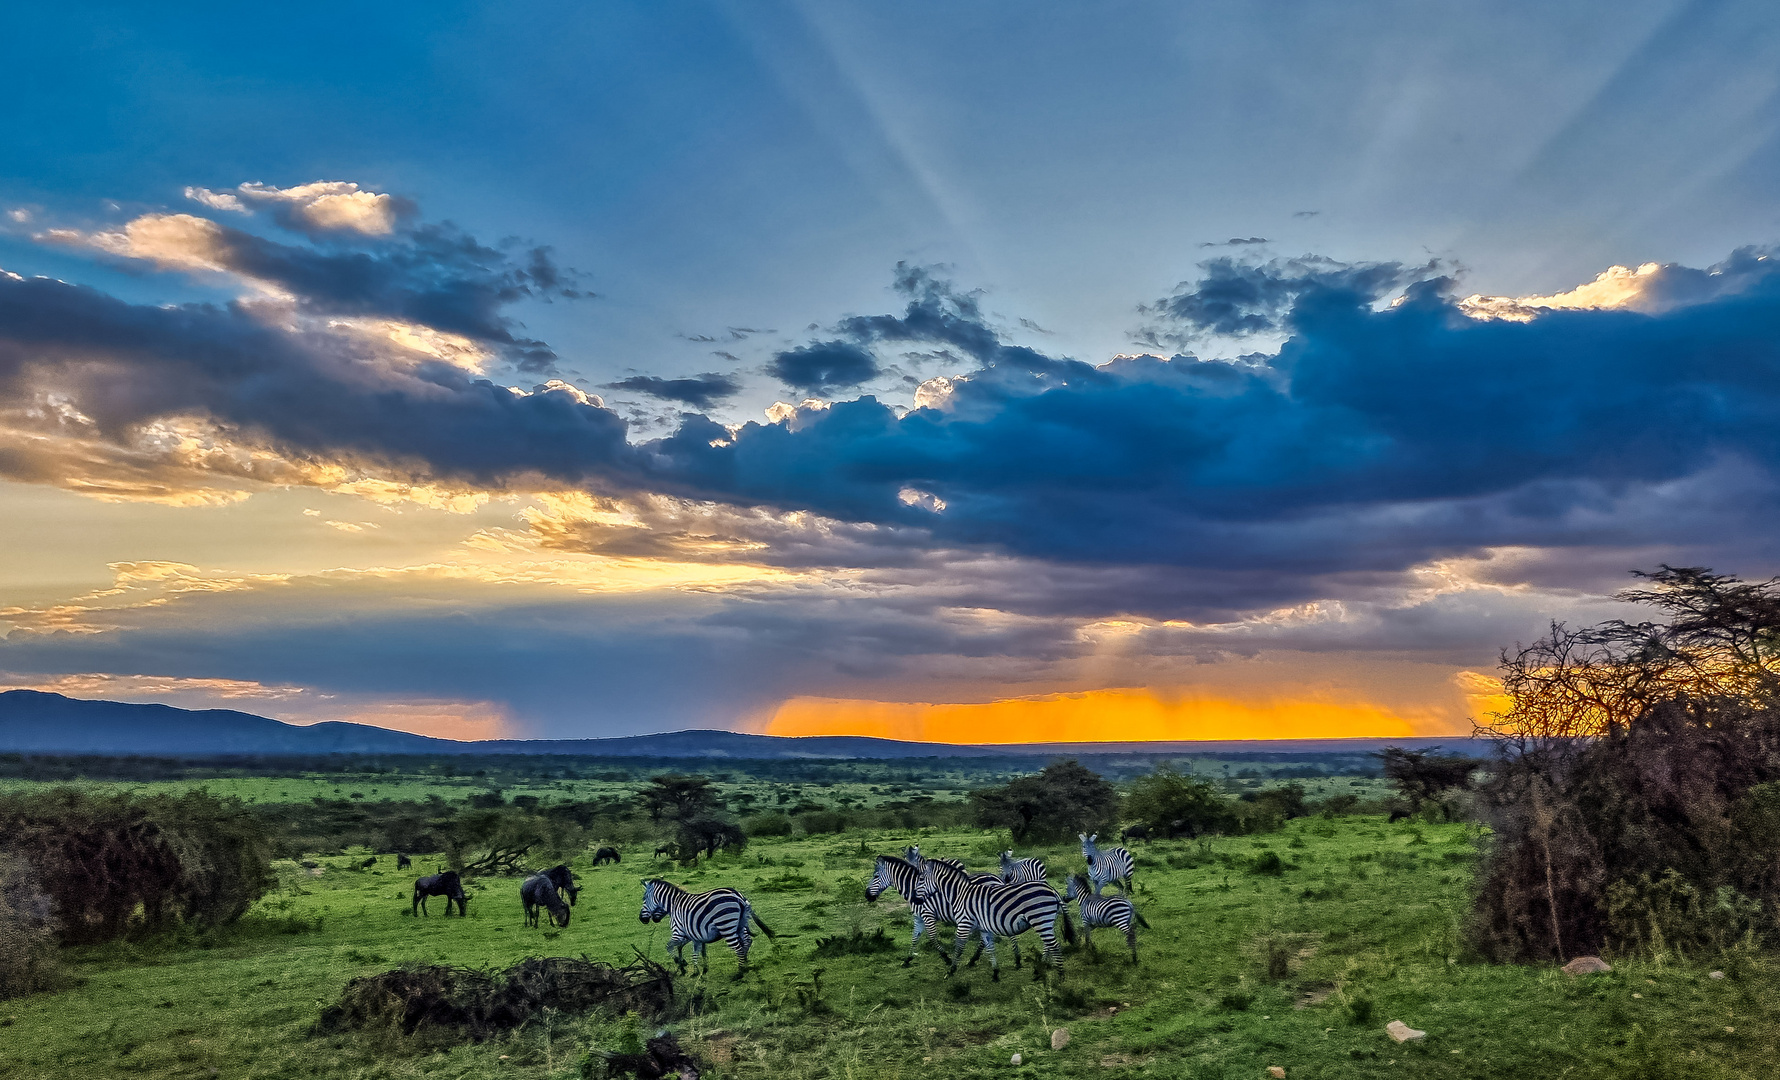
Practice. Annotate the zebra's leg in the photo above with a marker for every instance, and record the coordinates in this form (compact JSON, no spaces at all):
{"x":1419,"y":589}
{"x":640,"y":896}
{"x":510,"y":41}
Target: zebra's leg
{"x":1088,"y":939}
{"x":743,"y":941}
{"x":1015,"y":942}
{"x":958,"y":941}
{"x":994,"y":967}
{"x":1053,"y":953}
{"x":703,"y":961}
{"x":914,"y":939}
{"x":1131,"y":939}
{"x":677,"y":946}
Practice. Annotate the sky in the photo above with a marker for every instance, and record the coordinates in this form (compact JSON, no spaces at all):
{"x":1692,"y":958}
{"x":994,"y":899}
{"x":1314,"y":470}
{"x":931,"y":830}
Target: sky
{"x":974,"y":373}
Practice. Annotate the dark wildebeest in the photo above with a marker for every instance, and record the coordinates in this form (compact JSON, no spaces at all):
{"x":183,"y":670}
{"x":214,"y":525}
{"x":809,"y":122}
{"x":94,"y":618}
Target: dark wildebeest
{"x":403,"y":861}
{"x":605,"y":855}
{"x":669,"y":850}
{"x":1135,"y":832}
{"x":539,"y":891}
{"x":564,"y":879}
{"x":445,"y":884}
{"x":368,"y":863}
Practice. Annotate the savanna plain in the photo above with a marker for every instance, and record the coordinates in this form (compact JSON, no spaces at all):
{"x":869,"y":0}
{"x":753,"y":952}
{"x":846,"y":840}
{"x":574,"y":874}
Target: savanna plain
{"x":1287,"y":948}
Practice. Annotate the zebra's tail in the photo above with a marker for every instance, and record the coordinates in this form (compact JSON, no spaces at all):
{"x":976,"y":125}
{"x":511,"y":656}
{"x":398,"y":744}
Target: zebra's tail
{"x":1141,"y":921}
{"x":1068,"y":928}
{"x":765,"y":929}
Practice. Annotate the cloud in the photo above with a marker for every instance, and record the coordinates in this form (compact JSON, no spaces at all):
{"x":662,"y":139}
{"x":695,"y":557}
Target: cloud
{"x":824,"y":365}
{"x":701,"y":391}
{"x":1238,"y":297}
{"x":319,"y":208}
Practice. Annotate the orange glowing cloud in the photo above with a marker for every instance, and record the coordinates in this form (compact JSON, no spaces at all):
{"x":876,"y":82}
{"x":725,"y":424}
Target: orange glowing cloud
{"x":1102,"y":716}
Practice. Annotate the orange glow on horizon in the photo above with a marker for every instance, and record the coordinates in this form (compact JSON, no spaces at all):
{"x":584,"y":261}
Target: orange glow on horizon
{"x":1101,"y":716}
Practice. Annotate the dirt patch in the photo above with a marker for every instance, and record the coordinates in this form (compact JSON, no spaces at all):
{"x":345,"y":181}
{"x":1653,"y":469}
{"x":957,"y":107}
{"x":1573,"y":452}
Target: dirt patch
{"x":1313,"y":994}
{"x":476,"y":1004}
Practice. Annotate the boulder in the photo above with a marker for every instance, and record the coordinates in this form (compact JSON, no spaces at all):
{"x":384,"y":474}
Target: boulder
{"x":1059,"y":1038}
{"x":1714,"y":974}
{"x":1015,"y":1060}
{"x":1278,"y":1072}
{"x":1402,"y":1032}
{"x":1587,"y":965}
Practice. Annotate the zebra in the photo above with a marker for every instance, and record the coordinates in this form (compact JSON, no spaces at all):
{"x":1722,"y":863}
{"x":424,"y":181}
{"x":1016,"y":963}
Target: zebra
{"x":1014,"y":871}
{"x":701,"y":918}
{"x":540,"y":891}
{"x":1105,"y":867}
{"x":904,"y":876}
{"x":913,"y":854}
{"x":1097,"y":910}
{"x":991,"y":909}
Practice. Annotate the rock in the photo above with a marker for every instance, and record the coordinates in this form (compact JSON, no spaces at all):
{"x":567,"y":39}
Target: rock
{"x":1587,"y":965}
{"x":1402,"y":1032}
{"x":1278,"y":1072}
{"x":1714,"y":974}
{"x":1059,"y":1038}
{"x":1015,"y":1060}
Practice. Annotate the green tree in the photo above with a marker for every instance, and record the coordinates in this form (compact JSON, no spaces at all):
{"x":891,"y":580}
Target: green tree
{"x":1171,"y":804}
{"x":674,"y":797}
{"x":1422,"y":775}
{"x":1065,"y":799}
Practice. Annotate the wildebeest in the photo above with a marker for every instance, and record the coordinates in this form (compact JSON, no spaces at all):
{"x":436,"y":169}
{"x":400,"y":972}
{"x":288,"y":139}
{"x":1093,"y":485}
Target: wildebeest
{"x":539,"y":891}
{"x":1135,"y":832}
{"x":669,"y":850}
{"x":444,"y":884}
{"x":403,"y":861}
{"x":607,"y":854}
{"x":368,"y":863}
{"x":564,"y":879}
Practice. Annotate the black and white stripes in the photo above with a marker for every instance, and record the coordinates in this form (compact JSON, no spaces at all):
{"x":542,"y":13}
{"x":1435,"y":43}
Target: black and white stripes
{"x":1114,"y":864}
{"x":1014,"y":871}
{"x":1112,"y":910}
{"x":701,"y":918}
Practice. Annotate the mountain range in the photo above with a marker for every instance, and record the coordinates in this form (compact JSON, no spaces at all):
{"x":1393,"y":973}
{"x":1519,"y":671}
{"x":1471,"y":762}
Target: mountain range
{"x":34,"y":722}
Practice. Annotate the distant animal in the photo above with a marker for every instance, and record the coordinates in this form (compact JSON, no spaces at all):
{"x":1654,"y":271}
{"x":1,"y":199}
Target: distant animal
{"x":1399,"y":814}
{"x":1135,"y":832}
{"x":1017,"y":870}
{"x":669,"y":850}
{"x":444,"y":884}
{"x":607,"y":854}
{"x":403,"y":861}
{"x":564,"y":879}
{"x":701,"y":918}
{"x":1114,"y":864}
{"x":368,"y":863}
{"x":1111,"y":910}
{"x":540,"y":891}
{"x":991,"y":909}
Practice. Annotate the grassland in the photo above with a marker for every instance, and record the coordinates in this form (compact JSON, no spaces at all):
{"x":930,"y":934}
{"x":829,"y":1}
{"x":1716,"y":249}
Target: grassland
{"x":1240,"y":971}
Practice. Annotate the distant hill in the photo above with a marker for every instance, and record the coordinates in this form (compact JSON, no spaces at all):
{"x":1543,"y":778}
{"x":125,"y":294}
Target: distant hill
{"x":39,"y":723}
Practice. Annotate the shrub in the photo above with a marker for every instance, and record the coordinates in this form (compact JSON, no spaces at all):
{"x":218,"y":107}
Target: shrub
{"x":771,"y":823}
{"x":823,"y":821}
{"x":1267,"y":864}
{"x":1170,"y":804}
{"x":27,"y":932}
{"x":116,"y":864}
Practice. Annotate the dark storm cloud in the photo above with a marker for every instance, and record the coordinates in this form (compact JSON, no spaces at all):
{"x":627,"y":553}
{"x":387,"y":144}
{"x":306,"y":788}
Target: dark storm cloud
{"x":430,"y":274}
{"x":824,"y":365}
{"x":702,"y":391}
{"x":1237,"y":297}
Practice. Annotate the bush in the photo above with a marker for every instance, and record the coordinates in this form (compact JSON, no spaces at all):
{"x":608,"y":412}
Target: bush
{"x":823,"y":821}
{"x":1170,"y":804}
{"x":772,"y":823}
{"x":119,"y":864}
{"x":27,"y":932}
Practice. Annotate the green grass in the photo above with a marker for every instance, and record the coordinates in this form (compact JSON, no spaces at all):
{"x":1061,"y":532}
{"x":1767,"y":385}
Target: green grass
{"x":1240,"y":971}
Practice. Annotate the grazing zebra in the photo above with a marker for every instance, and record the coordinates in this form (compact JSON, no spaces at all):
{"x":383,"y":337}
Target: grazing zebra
{"x":1014,"y":871}
{"x":701,"y":918}
{"x":540,"y":892}
{"x":1115,"y":911}
{"x":1106,"y":867}
{"x":991,"y":909}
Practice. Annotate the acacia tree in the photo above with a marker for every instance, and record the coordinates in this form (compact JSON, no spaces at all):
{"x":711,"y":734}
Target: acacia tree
{"x":694,"y":808}
{"x":1064,"y":799}
{"x":1636,"y":796}
{"x":1422,"y":775}
{"x":1171,"y":804}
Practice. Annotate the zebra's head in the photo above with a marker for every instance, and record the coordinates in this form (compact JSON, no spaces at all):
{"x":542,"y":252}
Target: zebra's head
{"x":1007,"y":861}
{"x":913,"y":854}
{"x":1088,"y":842}
{"x":654,"y":901}
{"x":1078,"y":886}
{"x":880,"y":880}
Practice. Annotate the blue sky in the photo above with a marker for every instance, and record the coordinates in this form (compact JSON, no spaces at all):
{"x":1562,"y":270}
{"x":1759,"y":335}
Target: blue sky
{"x":710,"y":209}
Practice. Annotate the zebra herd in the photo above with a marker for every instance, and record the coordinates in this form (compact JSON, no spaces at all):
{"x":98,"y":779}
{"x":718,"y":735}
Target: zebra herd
{"x":938,"y":890}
